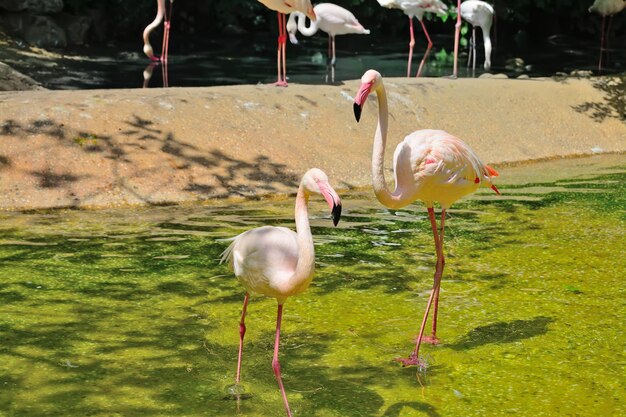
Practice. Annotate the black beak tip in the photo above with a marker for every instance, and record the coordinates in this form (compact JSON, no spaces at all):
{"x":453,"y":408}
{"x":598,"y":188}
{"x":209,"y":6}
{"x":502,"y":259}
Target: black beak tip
{"x":357,"y":112}
{"x":336,"y":214}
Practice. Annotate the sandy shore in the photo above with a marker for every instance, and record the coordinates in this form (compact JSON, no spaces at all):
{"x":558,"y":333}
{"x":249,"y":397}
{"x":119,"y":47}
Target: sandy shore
{"x":114,"y":147}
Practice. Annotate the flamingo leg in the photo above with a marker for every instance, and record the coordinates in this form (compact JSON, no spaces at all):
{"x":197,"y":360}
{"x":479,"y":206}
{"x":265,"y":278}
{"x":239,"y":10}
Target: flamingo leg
{"x":473,"y":48}
{"x":411,"y":45}
{"x":242,"y":333}
{"x":334,"y":58}
{"x":601,"y":43}
{"x":275,"y":363}
{"x":166,"y":33}
{"x":280,"y":81}
{"x":433,"y":338}
{"x":430,"y":45}
{"x":457,"y":33}
{"x":413,"y":358}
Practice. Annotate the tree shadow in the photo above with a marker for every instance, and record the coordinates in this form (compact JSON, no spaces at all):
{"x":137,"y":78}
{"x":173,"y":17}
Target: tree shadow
{"x":142,"y":160}
{"x":397,"y":409}
{"x":503,"y":332}
{"x":614,"y":104}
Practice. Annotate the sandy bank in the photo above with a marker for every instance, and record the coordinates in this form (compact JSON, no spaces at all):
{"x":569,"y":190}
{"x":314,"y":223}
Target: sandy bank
{"x":109,"y":147}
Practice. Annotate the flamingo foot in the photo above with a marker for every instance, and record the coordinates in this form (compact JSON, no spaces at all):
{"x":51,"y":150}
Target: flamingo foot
{"x":412,"y":360}
{"x":281,"y":83}
{"x":430,"y":340}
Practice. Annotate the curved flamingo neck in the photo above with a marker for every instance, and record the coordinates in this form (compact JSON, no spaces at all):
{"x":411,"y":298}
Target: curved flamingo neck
{"x":301,"y":20}
{"x":156,"y":22}
{"x":386,"y":197}
{"x":303,"y":274}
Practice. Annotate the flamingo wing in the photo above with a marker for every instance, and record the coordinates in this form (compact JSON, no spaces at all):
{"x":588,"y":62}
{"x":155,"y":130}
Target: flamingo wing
{"x":262,"y":258}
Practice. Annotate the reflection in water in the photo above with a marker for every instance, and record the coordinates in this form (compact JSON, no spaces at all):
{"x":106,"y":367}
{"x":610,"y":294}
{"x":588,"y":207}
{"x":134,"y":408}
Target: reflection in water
{"x":534,"y":319}
{"x":147,"y":73}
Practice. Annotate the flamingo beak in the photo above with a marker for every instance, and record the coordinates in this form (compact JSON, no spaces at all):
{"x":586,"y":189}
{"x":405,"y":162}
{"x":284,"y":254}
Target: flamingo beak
{"x":311,"y":14}
{"x":333,"y":200}
{"x":360,"y":98}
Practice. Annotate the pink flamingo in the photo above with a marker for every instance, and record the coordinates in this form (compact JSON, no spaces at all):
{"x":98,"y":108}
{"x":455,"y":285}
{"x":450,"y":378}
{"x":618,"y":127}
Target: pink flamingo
{"x":606,"y":8}
{"x":147,"y":48}
{"x":283,"y":7}
{"x":278,"y":262}
{"x":429,"y":165}
{"x":416,"y":8}
{"x":332,"y":19}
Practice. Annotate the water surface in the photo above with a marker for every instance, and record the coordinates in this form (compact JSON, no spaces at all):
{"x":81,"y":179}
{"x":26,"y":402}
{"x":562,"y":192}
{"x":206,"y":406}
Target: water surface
{"x":128,"y":311}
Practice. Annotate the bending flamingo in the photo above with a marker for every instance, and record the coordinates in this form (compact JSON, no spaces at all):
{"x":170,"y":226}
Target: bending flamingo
{"x":332,"y":19}
{"x":429,"y":165}
{"x":479,"y":13}
{"x":277,"y":262}
{"x":147,"y":48}
{"x":606,"y":8}
{"x":416,"y":8}
{"x":282,"y":7}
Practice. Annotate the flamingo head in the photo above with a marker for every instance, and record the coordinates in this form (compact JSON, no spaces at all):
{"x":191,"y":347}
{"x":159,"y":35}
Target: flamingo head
{"x":147,"y":49}
{"x":371,"y":80}
{"x":292,"y":27}
{"x":316,"y":181}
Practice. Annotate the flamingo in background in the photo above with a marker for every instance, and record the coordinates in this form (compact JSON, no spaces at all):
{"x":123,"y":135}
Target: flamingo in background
{"x":416,"y":8}
{"x":429,"y":165}
{"x":332,"y":19}
{"x":479,"y":13}
{"x":282,"y":7}
{"x":606,"y":8}
{"x":147,"y":48}
{"x":278,"y":262}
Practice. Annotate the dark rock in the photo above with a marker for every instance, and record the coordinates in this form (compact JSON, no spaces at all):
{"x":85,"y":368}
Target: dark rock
{"x":76,"y":27}
{"x":43,"y":32}
{"x":33,"y":6}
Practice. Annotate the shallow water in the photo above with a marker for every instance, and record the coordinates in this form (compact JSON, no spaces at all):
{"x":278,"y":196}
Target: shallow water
{"x":195,"y":61}
{"x":128,"y":312}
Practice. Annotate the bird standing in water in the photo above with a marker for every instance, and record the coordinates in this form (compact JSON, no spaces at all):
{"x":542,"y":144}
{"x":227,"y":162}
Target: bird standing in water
{"x":161,"y":14}
{"x":429,"y":165}
{"x":278,"y":262}
{"x":606,"y":8}
{"x":283,"y":7}
{"x":479,"y":13}
{"x":332,"y":19}
{"x":416,"y":8}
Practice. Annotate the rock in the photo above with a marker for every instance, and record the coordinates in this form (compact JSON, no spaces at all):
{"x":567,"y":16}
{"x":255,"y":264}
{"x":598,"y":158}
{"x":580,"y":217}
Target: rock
{"x":488,"y":75}
{"x":11,"y":80}
{"x":33,"y":6}
{"x":523,"y":77}
{"x":75,"y":27}
{"x":516,"y":64}
{"x":43,"y":32}
{"x":581,"y":73}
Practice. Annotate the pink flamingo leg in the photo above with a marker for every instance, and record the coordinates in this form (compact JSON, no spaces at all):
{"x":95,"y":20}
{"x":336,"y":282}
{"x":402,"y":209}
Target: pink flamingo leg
{"x":242,"y":333}
{"x":166,"y":33}
{"x":430,"y":45}
{"x":275,"y":363}
{"x":457,"y":33}
{"x":281,"y":55}
{"x":411,"y":45}
{"x":413,"y":358}
{"x":433,"y":338}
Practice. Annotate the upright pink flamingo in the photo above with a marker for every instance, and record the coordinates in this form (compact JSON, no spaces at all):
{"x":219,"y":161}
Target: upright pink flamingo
{"x":279,"y":263}
{"x":283,"y":7}
{"x":416,"y":8}
{"x":429,"y":165}
{"x":606,"y":8}
{"x":147,"y":47}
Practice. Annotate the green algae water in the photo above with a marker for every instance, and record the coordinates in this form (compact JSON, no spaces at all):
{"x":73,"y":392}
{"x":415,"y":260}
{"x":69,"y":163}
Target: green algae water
{"x":128,"y":312}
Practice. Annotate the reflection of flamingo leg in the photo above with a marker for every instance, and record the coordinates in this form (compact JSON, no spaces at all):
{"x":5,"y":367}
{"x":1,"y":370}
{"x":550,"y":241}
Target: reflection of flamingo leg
{"x":164,"y":73}
{"x":411,"y":45}
{"x":430,"y":45}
